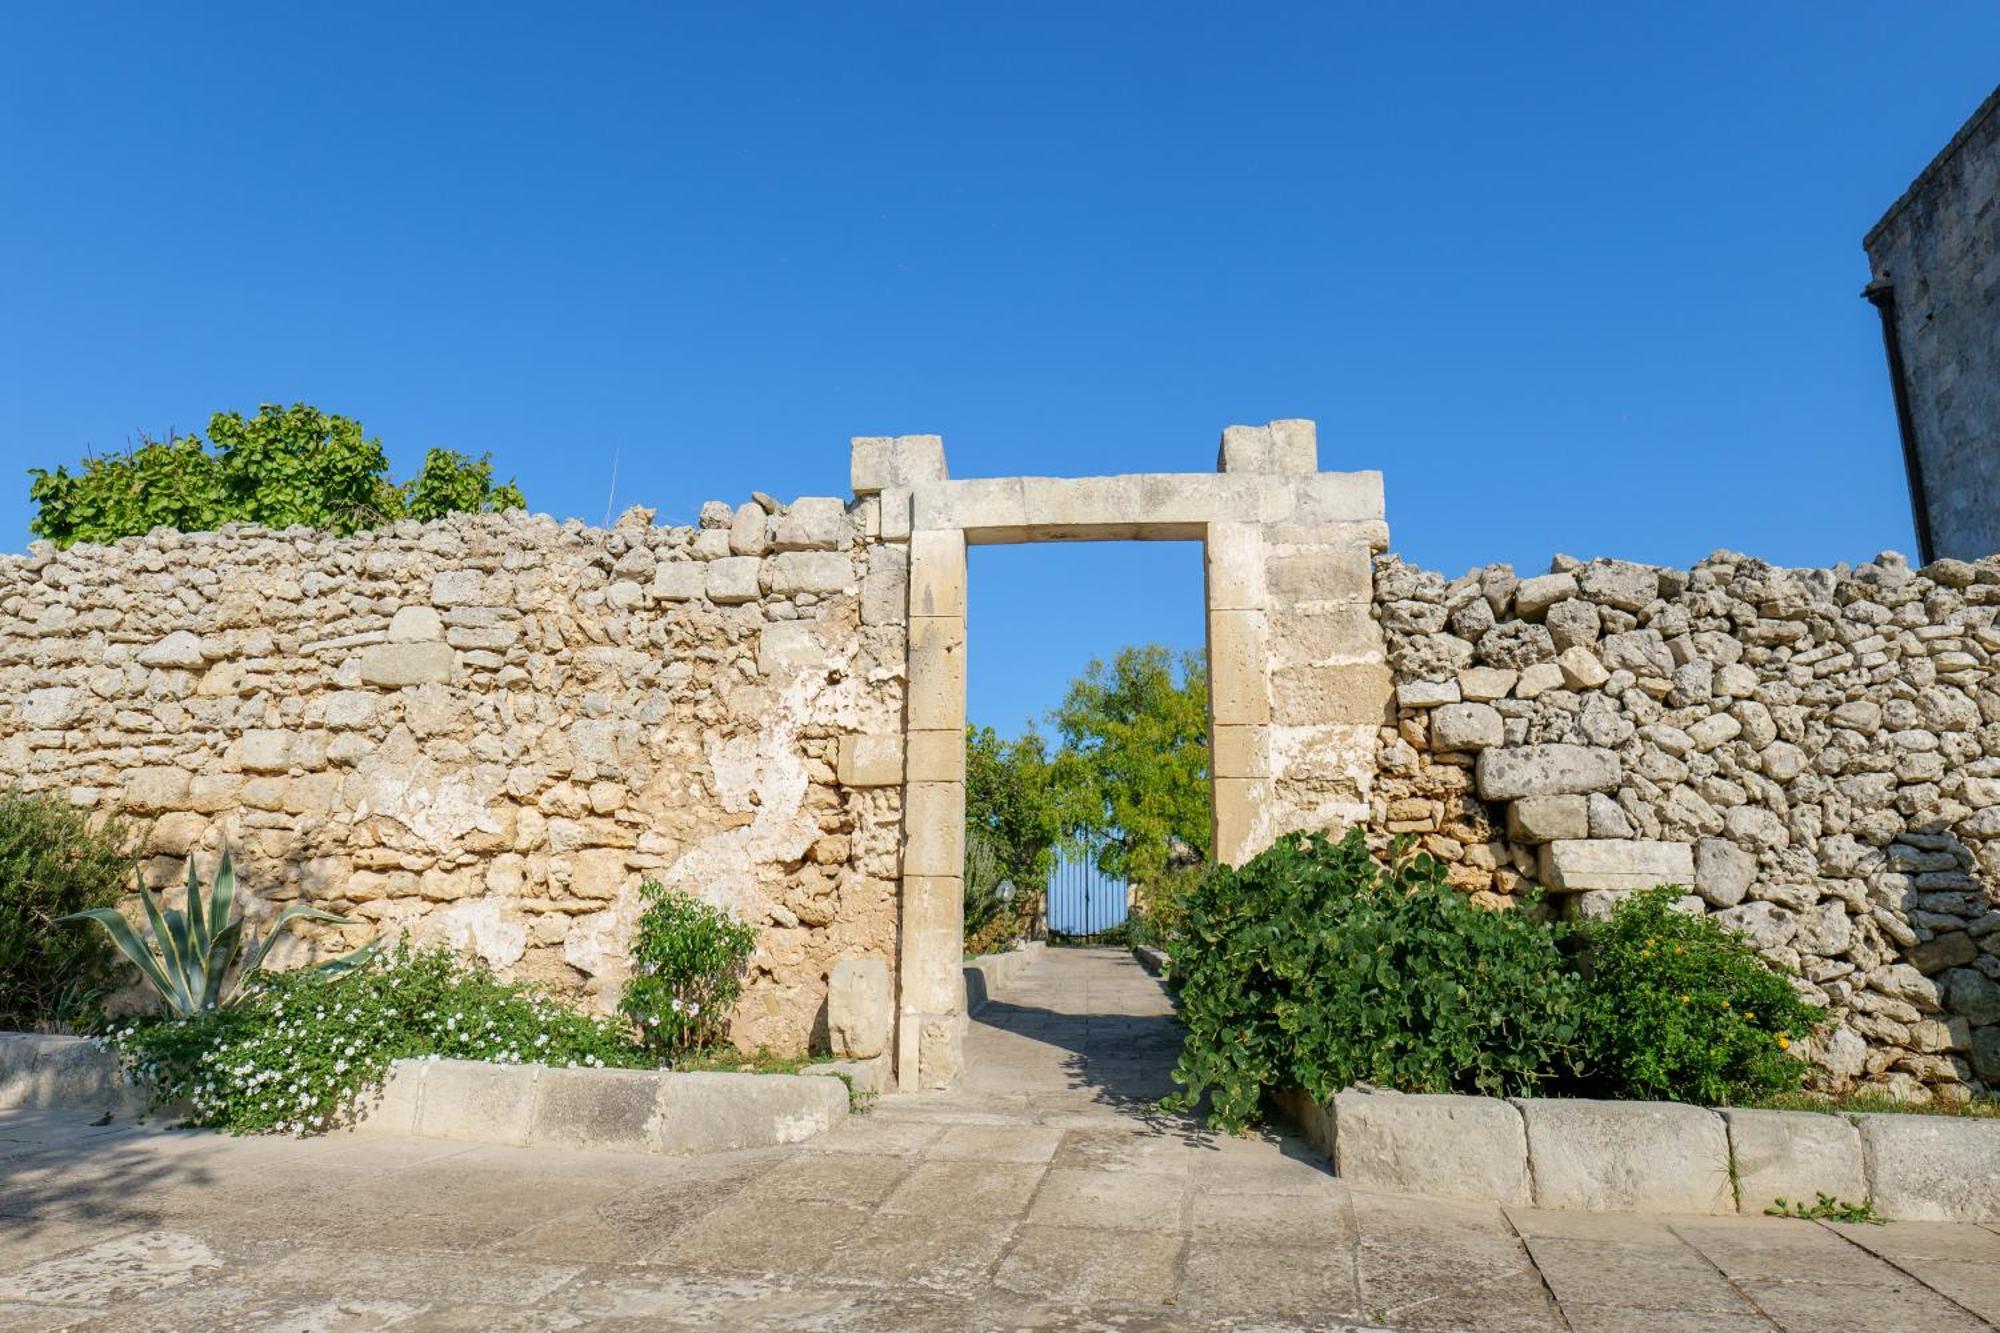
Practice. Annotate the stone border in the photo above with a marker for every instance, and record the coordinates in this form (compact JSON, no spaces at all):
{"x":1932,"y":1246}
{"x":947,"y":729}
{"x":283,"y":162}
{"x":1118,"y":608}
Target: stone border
{"x":1654,"y":1157}
{"x":610,"y":1110}
{"x":986,"y":973}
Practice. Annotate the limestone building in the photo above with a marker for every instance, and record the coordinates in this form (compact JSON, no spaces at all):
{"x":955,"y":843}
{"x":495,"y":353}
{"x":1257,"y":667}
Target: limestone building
{"x":1935,"y":264}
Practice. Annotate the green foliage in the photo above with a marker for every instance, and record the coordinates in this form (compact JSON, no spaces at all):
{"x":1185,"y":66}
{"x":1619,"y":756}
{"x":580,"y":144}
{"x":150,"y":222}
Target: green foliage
{"x":1826,"y":1208}
{"x":1010,"y":834}
{"x":302,"y":1049}
{"x":52,"y":864}
{"x":286,"y":466}
{"x":1675,"y":1008}
{"x":1316,"y":967}
{"x":687,"y":970}
{"x":192,"y":952}
{"x":1132,"y":775}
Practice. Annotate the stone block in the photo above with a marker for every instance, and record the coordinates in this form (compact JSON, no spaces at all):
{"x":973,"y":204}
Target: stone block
{"x":813,"y":523}
{"x":704,"y":1112}
{"x":860,"y":1010}
{"x":1243,"y":811}
{"x":153,"y":791}
{"x":1932,"y":1168}
{"x":1723,"y":872}
{"x":787,"y":647}
{"x":1289,"y":446}
{"x":937,"y":574}
{"x":1481,"y":684}
{"x":934,"y":828}
{"x":179,"y":651}
{"x":1580,"y":668}
{"x":1538,"y":680}
{"x":1545,"y":770}
{"x":1540,"y":819}
{"x":880,"y":463}
{"x":1574,"y":865}
{"x":1793,"y":1155}
{"x":458,"y":587}
{"x":871,"y":760}
{"x":1236,"y":664}
{"x":936,"y":756}
{"x":937,"y":673}
{"x":1536,"y":595}
{"x":393,"y":1108}
{"x":1354,"y":693}
{"x":265,"y":751}
{"x":732,"y":580}
{"x":396,"y":665}
{"x":597,"y":1110}
{"x":933,"y":942}
{"x":885,"y":589}
{"x":1460,"y":727}
{"x":811,"y":571}
{"x":1233,"y":558}
{"x":1321,"y":574}
{"x":1443,"y":1147}
{"x":1627,"y":1157}
{"x":477,"y":1101}
{"x":1240,"y":752}
{"x":51,"y":707}
{"x":416,"y":624}
{"x":680,"y":580}
{"x":1619,"y":583}
{"x":1427,"y":693}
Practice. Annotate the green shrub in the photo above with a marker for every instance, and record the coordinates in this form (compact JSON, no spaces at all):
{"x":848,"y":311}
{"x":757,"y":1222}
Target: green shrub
{"x":301,"y":1050}
{"x":284,"y":466}
{"x":687,"y":970}
{"x":52,"y":863}
{"x":1316,"y":967}
{"x":1675,"y":1008}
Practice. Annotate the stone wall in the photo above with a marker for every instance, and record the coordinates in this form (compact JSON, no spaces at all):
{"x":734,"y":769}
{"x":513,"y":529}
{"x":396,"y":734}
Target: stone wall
{"x":1935,"y":264}
{"x":491,"y":729}
{"x":1814,"y":753}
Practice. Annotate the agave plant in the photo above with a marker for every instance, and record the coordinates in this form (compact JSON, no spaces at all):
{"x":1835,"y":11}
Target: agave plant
{"x":192,"y":952}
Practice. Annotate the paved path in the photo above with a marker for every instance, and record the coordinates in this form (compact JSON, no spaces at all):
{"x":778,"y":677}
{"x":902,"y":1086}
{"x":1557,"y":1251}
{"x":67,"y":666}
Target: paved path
{"x":1040,"y":1196}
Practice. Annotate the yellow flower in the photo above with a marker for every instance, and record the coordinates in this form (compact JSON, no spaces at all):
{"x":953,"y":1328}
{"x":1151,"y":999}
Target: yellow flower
{"x":1784,"y":1042}
{"x":1684,"y":999}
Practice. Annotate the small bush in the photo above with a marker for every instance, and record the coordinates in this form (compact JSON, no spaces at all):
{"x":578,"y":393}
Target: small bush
{"x":52,"y":863}
{"x":687,"y":971}
{"x":1316,"y":967}
{"x":1675,"y":1008}
{"x":300,"y":1050}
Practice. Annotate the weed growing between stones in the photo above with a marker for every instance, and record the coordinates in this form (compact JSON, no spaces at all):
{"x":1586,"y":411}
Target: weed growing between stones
{"x":1826,"y":1208}
{"x":300,"y":1051}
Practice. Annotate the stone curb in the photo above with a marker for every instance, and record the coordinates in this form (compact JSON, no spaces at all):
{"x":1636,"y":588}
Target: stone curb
{"x":989,"y":972}
{"x":609,"y":1110}
{"x":1654,"y":1157}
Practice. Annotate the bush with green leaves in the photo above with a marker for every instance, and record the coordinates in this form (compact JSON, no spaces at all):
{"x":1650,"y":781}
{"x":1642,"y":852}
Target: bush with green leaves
{"x":1314,"y":966}
{"x":688,"y":960}
{"x":302,"y":1051}
{"x":53,"y":863}
{"x":283,"y":467}
{"x":1675,"y":1008}
{"x":192,"y":954}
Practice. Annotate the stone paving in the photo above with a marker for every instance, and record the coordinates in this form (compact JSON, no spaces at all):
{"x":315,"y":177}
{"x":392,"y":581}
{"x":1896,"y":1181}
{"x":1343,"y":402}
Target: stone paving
{"x":1044,"y":1194}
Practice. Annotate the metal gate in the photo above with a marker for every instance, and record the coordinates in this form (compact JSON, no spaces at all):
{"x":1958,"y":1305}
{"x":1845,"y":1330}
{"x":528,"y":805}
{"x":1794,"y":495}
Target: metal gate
{"x":1083,"y":901}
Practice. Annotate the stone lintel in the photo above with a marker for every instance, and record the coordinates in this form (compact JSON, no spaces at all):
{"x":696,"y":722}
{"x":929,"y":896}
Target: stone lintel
{"x":1141,"y":506}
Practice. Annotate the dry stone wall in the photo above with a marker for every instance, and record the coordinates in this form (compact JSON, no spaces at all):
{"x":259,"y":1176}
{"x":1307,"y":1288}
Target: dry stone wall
{"x":1814,"y":754}
{"x":490,"y":729}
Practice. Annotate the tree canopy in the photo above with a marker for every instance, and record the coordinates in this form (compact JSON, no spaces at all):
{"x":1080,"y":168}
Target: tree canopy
{"x":284,"y":467}
{"x":1131,"y":776}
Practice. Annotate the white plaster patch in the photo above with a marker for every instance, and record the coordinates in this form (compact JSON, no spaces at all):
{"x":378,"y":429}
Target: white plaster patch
{"x":481,"y":926}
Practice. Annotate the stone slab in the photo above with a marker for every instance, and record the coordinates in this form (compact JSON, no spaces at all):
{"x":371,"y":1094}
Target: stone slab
{"x":1512,"y":772}
{"x":1931,"y":1167}
{"x":1577,"y":865}
{"x":1445,"y":1147}
{"x":1627,"y":1157}
{"x":1793,"y":1155}
{"x":880,"y":463}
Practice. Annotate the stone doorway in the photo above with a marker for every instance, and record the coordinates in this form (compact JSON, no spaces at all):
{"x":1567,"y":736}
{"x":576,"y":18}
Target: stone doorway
{"x":1298,"y":683}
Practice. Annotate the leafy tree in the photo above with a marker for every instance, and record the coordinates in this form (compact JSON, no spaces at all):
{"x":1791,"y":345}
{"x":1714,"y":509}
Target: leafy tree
{"x":1010,"y":827}
{"x":1132,"y":775}
{"x":286,"y":466}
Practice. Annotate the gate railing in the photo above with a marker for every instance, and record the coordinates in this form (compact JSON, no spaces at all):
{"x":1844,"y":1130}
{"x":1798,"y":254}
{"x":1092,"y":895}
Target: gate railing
{"x":1084,"y":902}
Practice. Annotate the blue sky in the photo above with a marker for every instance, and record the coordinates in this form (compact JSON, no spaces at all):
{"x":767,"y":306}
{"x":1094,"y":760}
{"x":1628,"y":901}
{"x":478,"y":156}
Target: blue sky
{"x":1576,"y":277}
